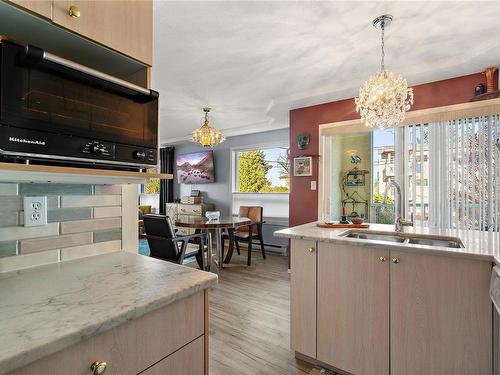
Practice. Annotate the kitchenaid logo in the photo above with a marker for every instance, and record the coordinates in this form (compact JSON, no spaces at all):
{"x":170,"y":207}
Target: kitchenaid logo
{"x":30,"y":141}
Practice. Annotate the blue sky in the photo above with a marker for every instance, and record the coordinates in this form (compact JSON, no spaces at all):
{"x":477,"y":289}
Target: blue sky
{"x":383,"y":137}
{"x":272,"y":155}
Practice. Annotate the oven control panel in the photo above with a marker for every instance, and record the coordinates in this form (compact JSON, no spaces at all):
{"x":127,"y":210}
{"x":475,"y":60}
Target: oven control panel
{"x":16,"y":143}
{"x":97,"y":148}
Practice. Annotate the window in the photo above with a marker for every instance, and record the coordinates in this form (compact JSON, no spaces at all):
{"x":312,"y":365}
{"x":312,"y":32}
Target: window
{"x":261,"y":170}
{"x":449,"y":173}
{"x":417,"y":172}
{"x":383,"y":170}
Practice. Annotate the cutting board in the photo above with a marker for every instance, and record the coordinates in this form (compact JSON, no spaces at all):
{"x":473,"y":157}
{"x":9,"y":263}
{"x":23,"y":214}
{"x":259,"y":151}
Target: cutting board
{"x":338,"y":225}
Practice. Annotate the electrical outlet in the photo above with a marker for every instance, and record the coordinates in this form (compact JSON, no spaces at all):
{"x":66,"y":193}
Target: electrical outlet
{"x":35,"y":211}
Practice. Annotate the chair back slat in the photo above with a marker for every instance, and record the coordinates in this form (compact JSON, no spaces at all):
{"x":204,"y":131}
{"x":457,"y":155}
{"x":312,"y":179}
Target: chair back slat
{"x":254,"y":213}
{"x":161,"y":230}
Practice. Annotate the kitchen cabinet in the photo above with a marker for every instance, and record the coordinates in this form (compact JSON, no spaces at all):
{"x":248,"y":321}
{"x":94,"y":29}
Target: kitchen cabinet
{"x":303,"y":297}
{"x":382,"y":311}
{"x":441,"y":315}
{"x":183,"y":361}
{"x":125,"y":26}
{"x":41,"y":7}
{"x":163,"y":339}
{"x":353,"y":308}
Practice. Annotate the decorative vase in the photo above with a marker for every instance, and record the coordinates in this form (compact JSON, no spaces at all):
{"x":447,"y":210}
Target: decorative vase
{"x":491,"y":84}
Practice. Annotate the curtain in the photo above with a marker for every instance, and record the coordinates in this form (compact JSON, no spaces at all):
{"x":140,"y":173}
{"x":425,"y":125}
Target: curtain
{"x":166,"y":186}
{"x":464,"y":174}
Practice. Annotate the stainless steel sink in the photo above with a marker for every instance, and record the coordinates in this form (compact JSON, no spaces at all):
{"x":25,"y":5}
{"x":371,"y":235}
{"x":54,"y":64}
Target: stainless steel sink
{"x":404,"y":238}
{"x":454,"y":243}
{"x":375,"y":236}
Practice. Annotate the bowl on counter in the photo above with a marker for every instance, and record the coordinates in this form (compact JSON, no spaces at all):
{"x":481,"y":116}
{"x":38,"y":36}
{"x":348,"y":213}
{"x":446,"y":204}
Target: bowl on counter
{"x":357,"y":220}
{"x":212,"y":215}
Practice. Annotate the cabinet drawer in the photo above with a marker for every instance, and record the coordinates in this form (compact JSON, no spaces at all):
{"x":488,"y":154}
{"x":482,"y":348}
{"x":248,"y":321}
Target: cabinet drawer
{"x":190,"y":209}
{"x":131,"y":347}
{"x":187,"y":360}
{"x":171,"y":210}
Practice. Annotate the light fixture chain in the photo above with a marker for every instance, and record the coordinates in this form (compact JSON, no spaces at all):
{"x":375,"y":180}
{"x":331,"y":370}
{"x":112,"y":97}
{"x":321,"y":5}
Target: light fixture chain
{"x":382,"y":57}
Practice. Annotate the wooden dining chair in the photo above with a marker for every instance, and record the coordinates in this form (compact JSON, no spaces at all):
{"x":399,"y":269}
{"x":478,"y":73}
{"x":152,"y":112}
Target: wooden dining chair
{"x":165,"y":244}
{"x":248,"y":233}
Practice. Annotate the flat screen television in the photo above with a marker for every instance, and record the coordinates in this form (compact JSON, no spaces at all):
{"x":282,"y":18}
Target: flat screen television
{"x":195,"y":168}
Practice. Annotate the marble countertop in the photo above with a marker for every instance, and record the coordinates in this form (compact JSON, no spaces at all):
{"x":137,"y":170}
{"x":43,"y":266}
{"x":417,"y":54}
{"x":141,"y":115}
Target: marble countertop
{"x":48,"y":308}
{"x":477,"y":244}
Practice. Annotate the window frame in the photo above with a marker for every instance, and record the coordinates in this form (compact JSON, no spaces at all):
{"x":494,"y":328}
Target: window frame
{"x":234,"y":163}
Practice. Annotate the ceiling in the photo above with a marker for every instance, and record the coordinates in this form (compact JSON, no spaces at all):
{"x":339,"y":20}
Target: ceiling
{"x":254,"y":61}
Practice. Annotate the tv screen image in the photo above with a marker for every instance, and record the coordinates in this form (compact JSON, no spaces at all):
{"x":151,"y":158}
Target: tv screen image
{"x":195,"y":168}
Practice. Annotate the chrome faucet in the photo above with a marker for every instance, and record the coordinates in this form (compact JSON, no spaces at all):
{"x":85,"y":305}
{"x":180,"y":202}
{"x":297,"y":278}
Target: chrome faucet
{"x":400,"y":222}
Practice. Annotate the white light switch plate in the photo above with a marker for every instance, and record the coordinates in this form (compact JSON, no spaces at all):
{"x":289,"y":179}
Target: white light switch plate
{"x":35,"y":211}
{"x":313,"y":185}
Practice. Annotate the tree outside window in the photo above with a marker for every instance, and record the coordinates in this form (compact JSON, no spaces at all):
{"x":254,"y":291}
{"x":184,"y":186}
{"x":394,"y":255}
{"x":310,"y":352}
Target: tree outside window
{"x":263,"y":171}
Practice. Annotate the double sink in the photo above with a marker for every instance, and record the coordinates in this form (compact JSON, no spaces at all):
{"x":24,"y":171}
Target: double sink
{"x":404,"y":238}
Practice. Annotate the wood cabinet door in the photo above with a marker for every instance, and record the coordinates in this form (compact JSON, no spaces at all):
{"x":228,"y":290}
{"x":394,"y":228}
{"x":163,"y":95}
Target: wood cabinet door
{"x":125,"y":26}
{"x":303,"y":297}
{"x":353,"y":308}
{"x":188,"y":360}
{"x":41,"y":7}
{"x":441,"y":315}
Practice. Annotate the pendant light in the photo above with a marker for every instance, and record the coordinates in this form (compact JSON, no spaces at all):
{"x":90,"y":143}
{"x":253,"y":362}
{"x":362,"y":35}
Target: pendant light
{"x":206,"y":135}
{"x":384,"y":99}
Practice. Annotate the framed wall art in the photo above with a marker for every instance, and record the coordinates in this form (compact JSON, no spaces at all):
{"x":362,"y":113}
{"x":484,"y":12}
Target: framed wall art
{"x":302,"y":166}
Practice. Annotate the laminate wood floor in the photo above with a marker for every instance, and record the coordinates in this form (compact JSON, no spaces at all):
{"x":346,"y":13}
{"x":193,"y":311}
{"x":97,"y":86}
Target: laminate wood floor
{"x":250,"y":320}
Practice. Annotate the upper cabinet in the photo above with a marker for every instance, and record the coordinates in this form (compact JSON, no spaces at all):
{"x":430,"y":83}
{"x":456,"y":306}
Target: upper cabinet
{"x":125,"y":26}
{"x":41,"y":7}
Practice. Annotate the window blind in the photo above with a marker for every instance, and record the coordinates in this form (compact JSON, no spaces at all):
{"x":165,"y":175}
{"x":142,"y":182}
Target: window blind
{"x":464,"y":173}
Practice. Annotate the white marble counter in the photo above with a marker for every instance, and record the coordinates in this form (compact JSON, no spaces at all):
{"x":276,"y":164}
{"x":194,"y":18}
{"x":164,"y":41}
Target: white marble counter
{"x":477,"y":244}
{"x":48,"y":308}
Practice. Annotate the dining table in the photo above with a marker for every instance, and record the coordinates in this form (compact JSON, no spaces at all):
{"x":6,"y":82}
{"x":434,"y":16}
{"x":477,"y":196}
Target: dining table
{"x":215,"y":227}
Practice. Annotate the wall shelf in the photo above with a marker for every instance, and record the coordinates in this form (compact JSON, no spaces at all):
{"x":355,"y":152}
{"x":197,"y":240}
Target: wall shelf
{"x":11,"y":172}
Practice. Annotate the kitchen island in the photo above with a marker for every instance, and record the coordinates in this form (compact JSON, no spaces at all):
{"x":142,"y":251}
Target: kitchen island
{"x":123,"y":313}
{"x":373,"y":301}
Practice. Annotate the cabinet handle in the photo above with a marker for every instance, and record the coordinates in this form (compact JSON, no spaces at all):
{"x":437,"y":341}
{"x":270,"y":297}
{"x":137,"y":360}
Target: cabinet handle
{"x":311,"y":249}
{"x":395,"y":260}
{"x":382,"y":259}
{"x":73,"y":11}
{"x":98,"y":368}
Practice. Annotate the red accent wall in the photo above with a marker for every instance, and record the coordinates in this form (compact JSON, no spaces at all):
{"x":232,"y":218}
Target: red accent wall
{"x":304,"y":201}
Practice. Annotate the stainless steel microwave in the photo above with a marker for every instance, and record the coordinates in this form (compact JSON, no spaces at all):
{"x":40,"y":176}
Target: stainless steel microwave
{"x":54,"y":111}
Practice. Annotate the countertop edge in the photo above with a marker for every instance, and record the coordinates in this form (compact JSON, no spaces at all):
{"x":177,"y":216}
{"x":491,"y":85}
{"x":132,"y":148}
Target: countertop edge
{"x":393,"y":246}
{"x":21,"y":359}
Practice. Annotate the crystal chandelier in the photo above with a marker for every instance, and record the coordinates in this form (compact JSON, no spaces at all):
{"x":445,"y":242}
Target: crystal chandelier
{"x":385,"y":97}
{"x":206,"y":135}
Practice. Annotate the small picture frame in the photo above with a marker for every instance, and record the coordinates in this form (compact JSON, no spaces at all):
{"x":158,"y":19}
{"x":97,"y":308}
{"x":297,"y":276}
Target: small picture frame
{"x":302,"y":166}
{"x":354,"y":179}
{"x":195,"y":193}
